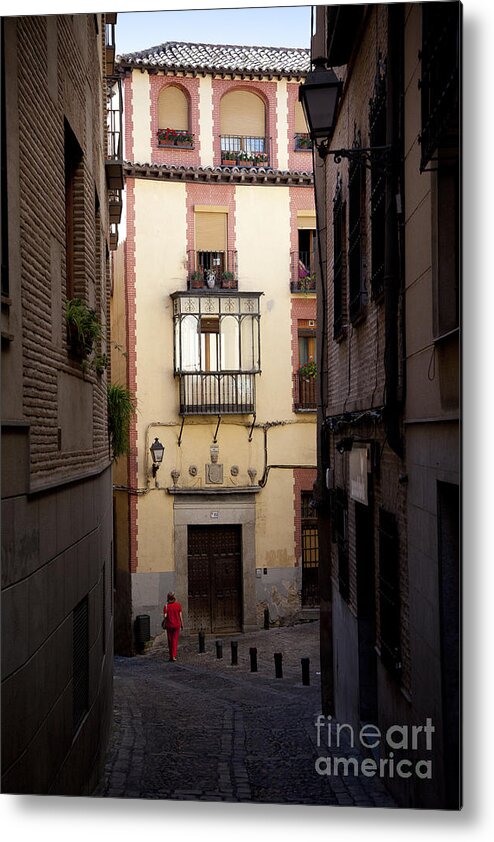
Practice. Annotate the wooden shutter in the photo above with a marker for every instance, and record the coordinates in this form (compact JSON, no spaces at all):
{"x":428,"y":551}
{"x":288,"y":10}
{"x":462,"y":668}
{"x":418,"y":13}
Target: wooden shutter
{"x":210,"y":231}
{"x":173,"y":110}
{"x":300,"y":124}
{"x":242,"y":114}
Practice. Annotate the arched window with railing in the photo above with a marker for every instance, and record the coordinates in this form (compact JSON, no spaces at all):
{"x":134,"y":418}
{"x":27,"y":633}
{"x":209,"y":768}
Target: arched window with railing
{"x":243,"y":129}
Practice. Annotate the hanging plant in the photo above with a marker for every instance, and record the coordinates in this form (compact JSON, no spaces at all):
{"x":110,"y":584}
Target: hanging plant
{"x":121,"y":407}
{"x":83,"y":328}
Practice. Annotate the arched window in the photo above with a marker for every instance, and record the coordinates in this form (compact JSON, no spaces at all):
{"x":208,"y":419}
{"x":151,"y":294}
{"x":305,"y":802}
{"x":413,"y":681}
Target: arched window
{"x":173,"y":117}
{"x":243,"y":128}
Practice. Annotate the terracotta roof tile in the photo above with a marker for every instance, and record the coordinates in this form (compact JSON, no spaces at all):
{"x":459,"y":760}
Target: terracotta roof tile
{"x":177,"y":55}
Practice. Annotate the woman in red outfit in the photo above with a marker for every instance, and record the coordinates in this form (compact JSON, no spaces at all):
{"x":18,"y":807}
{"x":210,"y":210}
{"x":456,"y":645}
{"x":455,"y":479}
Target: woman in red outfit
{"x":172,"y":613}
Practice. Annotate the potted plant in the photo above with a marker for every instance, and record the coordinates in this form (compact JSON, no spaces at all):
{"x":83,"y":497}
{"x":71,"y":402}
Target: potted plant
{"x":309,"y":370}
{"x":228,"y":159}
{"x":245,"y":159}
{"x":303,"y":142}
{"x":260,"y":159}
{"x":166,"y":137}
{"x":183,"y":139}
{"x":227,"y":280}
{"x":196,"y":280}
{"x":83,"y":328}
{"x":308,"y":282}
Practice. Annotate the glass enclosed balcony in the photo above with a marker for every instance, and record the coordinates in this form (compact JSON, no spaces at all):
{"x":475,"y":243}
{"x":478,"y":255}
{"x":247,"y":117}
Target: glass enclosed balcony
{"x":217,"y":351}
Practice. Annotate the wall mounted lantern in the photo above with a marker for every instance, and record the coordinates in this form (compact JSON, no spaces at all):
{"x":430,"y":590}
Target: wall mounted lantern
{"x":157,"y":452}
{"x":320,"y":95}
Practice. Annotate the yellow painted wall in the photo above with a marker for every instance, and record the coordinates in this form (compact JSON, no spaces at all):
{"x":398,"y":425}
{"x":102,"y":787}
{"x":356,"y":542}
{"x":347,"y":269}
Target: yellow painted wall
{"x":160,"y":214}
{"x":262,"y":219}
{"x":206,"y":120}
{"x":282,"y":123}
{"x":141,"y":110}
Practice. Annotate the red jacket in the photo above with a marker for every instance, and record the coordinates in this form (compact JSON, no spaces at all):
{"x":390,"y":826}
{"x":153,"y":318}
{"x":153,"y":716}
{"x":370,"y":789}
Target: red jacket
{"x":173,"y":611}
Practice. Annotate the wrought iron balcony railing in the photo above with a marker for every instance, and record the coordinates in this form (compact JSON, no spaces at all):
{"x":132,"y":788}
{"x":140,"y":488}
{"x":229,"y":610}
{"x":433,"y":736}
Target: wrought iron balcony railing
{"x":114,"y":150}
{"x":244,"y":151}
{"x":217,"y":393}
{"x":304,"y":392}
{"x":212,"y":269}
{"x":303,"y":276}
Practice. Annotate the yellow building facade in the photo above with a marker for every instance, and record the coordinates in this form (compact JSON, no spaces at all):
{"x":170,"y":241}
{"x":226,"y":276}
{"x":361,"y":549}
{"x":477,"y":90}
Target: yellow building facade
{"x":216,"y":314}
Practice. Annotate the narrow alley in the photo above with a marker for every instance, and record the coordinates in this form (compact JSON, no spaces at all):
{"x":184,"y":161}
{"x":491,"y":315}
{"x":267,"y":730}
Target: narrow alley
{"x":202,"y":729}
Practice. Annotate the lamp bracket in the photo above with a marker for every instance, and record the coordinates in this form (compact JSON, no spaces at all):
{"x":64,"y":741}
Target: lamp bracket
{"x":368,"y":156}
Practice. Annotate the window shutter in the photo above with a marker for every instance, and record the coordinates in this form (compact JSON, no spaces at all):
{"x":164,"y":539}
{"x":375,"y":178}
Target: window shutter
{"x":210,"y":231}
{"x":300,"y":124}
{"x":242,"y":114}
{"x":173,"y":110}
{"x":306,"y":220}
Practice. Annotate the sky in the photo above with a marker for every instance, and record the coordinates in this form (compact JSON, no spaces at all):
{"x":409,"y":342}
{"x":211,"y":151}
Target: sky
{"x":275,"y":26}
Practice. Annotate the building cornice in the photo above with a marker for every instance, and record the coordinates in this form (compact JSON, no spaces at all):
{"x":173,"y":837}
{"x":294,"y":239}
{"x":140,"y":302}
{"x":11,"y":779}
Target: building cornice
{"x":219,"y":175}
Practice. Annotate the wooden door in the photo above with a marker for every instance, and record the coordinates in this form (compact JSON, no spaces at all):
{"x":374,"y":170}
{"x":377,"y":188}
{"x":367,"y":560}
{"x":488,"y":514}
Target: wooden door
{"x":215,"y":578}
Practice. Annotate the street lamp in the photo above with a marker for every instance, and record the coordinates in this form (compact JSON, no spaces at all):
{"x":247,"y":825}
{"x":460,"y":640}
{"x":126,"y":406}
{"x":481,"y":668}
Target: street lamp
{"x":320,"y":95}
{"x":157,"y":452}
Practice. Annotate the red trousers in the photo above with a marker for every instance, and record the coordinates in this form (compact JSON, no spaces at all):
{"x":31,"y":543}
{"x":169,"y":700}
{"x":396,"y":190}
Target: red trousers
{"x":172,"y":635}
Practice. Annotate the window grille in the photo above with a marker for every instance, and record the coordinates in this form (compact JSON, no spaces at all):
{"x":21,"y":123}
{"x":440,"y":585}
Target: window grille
{"x":389,"y":591}
{"x":356,"y":281}
{"x":310,"y":551}
{"x":439,"y":85}
{"x":338,"y":224}
{"x":80,"y":663}
{"x":377,"y":135}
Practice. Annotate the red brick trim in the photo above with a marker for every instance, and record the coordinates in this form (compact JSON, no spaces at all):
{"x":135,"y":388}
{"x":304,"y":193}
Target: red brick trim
{"x":210,"y":194}
{"x":130,"y":293}
{"x":296,"y":160}
{"x":176,"y":157}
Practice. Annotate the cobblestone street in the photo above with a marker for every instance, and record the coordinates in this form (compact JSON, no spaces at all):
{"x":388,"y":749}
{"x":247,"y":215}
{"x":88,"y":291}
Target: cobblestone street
{"x":203,"y":729}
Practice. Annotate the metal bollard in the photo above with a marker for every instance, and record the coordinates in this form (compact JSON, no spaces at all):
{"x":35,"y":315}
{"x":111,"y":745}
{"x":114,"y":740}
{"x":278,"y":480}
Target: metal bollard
{"x":305,"y":671}
{"x":234,"y":645}
{"x":219,"y":649}
{"x":253,"y":659}
{"x":266,"y":618}
{"x":278,"y":664}
{"x":202,"y":642}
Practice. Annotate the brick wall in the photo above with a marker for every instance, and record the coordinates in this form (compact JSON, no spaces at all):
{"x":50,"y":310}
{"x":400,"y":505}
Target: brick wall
{"x":300,"y":161}
{"x":42,"y":234}
{"x":356,"y":375}
{"x":131,"y":345}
